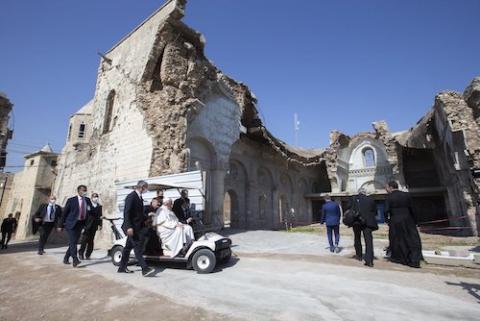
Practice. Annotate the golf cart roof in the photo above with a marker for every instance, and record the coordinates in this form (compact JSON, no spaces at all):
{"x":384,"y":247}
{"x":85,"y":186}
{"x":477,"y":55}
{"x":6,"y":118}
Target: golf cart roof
{"x":161,"y":187}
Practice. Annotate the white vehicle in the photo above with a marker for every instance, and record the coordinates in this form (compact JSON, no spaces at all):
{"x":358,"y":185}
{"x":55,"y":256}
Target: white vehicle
{"x":206,"y":252}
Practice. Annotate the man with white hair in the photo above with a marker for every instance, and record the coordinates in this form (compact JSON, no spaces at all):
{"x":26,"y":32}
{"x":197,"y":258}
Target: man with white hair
{"x":175,"y":236}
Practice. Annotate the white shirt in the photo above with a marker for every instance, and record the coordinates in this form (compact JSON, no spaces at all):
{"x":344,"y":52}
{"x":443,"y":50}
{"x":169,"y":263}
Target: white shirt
{"x":80,"y":201}
{"x":46,"y":217}
{"x":139,"y":195}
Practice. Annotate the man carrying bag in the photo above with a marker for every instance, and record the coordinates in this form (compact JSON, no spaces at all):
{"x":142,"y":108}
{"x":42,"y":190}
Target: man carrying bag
{"x":361,"y":215}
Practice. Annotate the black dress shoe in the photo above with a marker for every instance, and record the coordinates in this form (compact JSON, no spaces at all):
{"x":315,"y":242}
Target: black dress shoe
{"x":40,"y":252}
{"x":368,"y":264}
{"x":81,"y":256}
{"x":76,"y":262}
{"x":124,"y":271}
{"x":148,"y":272}
{"x":66,"y":261}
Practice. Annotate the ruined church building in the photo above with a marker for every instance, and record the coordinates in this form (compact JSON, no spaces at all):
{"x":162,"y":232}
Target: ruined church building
{"x":161,"y":107}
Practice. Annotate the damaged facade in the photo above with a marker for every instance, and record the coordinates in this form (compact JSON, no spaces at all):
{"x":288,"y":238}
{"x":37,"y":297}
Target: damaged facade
{"x":161,"y":107}
{"x":437,"y":161}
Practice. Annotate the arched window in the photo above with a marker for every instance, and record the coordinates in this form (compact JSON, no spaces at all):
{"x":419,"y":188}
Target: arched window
{"x":369,"y":157}
{"x":107,"y":123}
{"x":69,"y":132}
{"x":81,"y":130}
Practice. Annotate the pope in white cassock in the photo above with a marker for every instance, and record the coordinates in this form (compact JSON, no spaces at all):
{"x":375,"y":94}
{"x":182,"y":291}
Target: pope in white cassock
{"x":174,"y":235}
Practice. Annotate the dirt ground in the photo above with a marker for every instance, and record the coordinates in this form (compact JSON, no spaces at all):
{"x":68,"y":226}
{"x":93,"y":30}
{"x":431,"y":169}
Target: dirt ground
{"x":273,"y":276}
{"x":34,"y":288}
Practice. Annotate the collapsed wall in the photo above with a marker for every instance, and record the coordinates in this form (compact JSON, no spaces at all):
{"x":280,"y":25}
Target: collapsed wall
{"x":156,"y":96}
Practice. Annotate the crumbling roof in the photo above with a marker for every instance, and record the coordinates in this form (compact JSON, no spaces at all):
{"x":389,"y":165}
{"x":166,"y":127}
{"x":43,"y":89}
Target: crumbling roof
{"x":302,"y":156}
{"x":419,"y":135}
{"x":257,"y":131}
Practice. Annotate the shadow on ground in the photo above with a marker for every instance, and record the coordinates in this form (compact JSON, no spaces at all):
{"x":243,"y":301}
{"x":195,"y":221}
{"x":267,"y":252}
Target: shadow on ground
{"x":31,"y":246}
{"x":471,"y":288}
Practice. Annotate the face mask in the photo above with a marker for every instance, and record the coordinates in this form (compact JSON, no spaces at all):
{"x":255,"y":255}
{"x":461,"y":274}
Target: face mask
{"x":53,"y":202}
{"x":83,"y":194}
{"x":95,"y":199}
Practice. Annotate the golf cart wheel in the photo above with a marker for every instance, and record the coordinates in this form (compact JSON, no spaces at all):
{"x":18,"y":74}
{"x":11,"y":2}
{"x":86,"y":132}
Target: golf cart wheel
{"x":204,"y":261}
{"x":116,"y":254}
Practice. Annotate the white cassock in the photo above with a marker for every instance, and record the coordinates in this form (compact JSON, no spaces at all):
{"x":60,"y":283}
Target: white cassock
{"x":173,"y":236}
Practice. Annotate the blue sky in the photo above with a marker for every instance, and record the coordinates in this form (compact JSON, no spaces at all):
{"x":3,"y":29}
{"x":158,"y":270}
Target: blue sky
{"x":338,"y":64}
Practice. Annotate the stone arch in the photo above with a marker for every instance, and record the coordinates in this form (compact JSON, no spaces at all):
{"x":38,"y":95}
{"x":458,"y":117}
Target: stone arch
{"x":236,"y":180}
{"x":356,"y":156}
{"x":230,"y":208}
{"x":202,"y":154}
{"x":265,"y":177}
{"x":283,"y":208}
{"x":202,"y":157}
{"x":302,"y":212}
{"x":285,"y":200}
{"x":369,"y":157}
{"x":265,"y":196}
{"x":286,"y":184}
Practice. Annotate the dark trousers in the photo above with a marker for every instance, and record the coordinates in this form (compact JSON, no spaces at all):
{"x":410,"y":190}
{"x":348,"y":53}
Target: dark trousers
{"x":367,"y":235}
{"x":335,"y":229}
{"x":73,"y":236}
{"x":44,"y":230}
{"x":137,"y":246}
{"x":6,"y":236}
{"x":86,"y":242}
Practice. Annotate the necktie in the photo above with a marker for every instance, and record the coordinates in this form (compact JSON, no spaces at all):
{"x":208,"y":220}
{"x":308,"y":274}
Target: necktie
{"x":50,"y":212}
{"x":82,"y":210}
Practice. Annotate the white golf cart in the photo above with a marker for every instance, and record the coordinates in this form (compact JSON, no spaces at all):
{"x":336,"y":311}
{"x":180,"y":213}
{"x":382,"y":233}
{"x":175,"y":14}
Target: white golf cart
{"x":205,"y":253}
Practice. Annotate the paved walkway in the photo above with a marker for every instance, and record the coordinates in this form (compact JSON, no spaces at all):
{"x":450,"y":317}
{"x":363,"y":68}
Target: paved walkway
{"x":276,"y":276}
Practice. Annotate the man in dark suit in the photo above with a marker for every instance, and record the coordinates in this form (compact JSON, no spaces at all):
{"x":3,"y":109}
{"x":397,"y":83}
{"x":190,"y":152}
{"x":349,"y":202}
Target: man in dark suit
{"x":91,"y":225}
{"x":74,"y":216}
{"x":134,"y":227}
{"x":45,"y":219}
{"x":331,"y":217}
{"x":8,"y":227}
{"x":181,"y":208}
{"x":366,"y":224}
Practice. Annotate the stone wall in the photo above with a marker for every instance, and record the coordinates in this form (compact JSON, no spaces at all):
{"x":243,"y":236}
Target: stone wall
{"x":268,"y":186}
{"x":457,"y":149}
{"x":30,"y":188}
{"x":161,"y":107}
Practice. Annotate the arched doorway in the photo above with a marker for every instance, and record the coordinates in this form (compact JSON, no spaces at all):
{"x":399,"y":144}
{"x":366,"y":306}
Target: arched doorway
{"x":283,"y":209}
{"x":230,"y":209}
{"x":236,"y":185}
{"x":264,"y":188}
{"x":203,"y":158}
